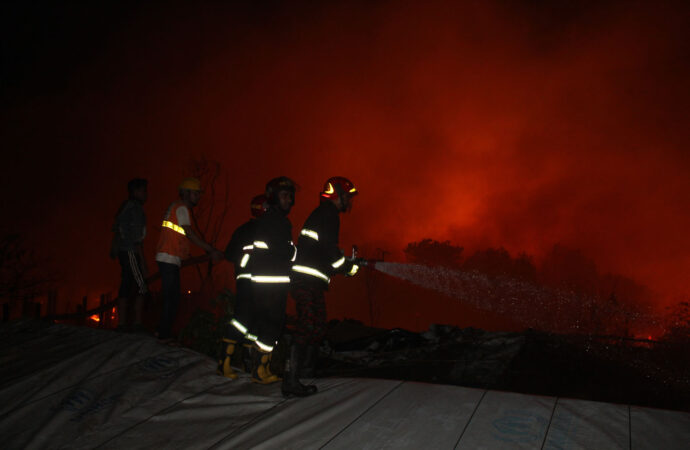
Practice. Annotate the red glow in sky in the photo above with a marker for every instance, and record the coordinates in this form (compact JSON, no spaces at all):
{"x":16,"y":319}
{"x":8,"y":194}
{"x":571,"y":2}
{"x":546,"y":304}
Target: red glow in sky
{"x":518,"y":124}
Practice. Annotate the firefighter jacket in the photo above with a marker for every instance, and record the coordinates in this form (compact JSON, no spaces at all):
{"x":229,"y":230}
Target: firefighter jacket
{"x":318,"y":255}
{"x":273,"y":250}
{"x":240,"y":247}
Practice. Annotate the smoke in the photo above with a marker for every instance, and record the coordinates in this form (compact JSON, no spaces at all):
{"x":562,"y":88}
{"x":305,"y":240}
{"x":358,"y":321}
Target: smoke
{"x":515,"y":124}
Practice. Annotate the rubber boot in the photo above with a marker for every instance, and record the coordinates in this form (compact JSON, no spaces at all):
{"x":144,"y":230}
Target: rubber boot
{"x":261,"y":372}
{"x":224,"y":367}
{"x":308,"y":370}
{"x":291,"y":384}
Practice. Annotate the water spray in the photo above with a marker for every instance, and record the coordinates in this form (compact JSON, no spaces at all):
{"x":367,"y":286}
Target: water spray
{"x":503,"y":295}
{"x":528,"y":304}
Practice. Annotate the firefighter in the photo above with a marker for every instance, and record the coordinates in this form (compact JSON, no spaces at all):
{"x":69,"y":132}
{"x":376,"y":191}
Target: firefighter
{"x":238,"y":252}
{"x":271,"y":257}
{"x":318,"y":258}
{"x":174,"y":246}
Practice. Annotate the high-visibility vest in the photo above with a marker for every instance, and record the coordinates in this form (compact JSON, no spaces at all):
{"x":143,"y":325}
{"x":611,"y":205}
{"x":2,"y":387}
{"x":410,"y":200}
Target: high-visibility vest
{"x":173,"y":240}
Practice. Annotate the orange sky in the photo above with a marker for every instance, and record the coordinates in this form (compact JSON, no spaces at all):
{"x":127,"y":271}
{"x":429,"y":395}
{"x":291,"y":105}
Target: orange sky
{"x":491,"y":123}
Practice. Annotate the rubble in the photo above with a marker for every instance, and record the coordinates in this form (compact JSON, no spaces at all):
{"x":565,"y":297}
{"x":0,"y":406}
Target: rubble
{"x":577,"y":366}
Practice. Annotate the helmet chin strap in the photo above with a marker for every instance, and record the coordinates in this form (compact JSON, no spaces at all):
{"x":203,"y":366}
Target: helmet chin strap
{"x":344,"y":203}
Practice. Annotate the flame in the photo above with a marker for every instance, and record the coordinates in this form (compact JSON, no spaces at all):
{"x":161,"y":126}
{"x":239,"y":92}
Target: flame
{"x":95,"y":318}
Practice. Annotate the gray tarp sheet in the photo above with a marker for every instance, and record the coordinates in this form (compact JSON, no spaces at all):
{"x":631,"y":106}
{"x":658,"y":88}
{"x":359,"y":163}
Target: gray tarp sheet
{"x":70,"y":387}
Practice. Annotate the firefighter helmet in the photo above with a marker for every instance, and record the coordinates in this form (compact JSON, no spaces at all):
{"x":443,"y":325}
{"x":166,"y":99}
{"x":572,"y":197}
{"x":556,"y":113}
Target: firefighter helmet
{"x":259,"y":205}
{"x":337,"y":187}
{"x":277,"y":185}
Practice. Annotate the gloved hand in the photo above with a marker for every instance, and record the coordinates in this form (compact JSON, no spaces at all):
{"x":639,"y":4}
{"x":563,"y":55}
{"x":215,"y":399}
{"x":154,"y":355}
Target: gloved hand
{"x":356,"y":264}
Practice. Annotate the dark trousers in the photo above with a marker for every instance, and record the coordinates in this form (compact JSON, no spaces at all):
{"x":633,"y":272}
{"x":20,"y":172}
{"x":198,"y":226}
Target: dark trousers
{"x":268,"y":313}
{"x":243,"y":310}
{"x":132,"y":279}
{"x":311,"y":315}
{"x":170,"y":288}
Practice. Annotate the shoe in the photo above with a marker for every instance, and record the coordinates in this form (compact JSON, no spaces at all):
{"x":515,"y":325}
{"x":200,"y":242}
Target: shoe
{"x":261,"y":371}
{"x":227,"y":350}
{"x":291,"y":385}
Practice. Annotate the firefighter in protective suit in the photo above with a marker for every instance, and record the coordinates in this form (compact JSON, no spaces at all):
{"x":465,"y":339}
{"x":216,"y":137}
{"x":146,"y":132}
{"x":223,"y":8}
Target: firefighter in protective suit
{"x":238,"y":252}
{"x":318,"y":258}
{"x":269,"y":264}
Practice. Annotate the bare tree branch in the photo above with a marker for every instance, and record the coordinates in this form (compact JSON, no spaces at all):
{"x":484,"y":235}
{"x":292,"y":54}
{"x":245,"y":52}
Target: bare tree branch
{"x":211,"y":213}
{"x":20,"y":272}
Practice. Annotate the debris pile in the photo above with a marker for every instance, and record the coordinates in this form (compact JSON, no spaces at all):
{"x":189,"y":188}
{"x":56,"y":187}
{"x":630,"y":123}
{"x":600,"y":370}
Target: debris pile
{"x":533,"y":362}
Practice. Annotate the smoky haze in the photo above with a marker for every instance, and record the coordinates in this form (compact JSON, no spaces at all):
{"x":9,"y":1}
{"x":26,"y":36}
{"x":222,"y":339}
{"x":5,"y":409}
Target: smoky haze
{"x":515,"y":124}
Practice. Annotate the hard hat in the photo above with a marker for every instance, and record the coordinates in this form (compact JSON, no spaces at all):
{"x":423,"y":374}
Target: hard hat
{"x":338,"y":187}
{"x":192,"y":184}
{"x":258,"y":205}
{"x":277,"y":185}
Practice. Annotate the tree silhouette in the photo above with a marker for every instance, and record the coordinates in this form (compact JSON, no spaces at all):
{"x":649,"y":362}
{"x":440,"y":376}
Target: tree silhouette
{"x":569,"y":269}
{"x":678,"y":323}
{"x":209,"y":216}
{"x":20,"y":278}
{"x":498,"y":262}
{"x":430,"y":252}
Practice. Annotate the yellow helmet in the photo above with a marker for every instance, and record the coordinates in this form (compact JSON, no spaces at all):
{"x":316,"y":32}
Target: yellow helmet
{"x":192,"y":184}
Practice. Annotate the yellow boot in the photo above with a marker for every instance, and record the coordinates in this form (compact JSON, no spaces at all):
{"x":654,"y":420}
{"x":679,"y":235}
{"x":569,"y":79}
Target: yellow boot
{"x":268,"y":368}
{"x":261,"y":372}
{"x":224,"y":367}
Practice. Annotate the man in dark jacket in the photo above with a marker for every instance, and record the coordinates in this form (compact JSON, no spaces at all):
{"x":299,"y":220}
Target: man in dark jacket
{"x":130,"y":230}
{"x":269,"y":264}
{"x":318,"y":258}
{"x":238,"y":252}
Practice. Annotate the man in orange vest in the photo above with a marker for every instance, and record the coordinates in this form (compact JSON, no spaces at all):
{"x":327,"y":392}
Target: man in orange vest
{"x":174,"y":246}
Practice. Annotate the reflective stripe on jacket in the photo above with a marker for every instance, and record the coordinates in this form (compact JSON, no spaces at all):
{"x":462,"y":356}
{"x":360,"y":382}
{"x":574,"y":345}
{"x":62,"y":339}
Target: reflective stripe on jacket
{"x":172,"y":239}
{"x":240,"y":247}
{"x":272,"y":249}
{"x":318,"y":254}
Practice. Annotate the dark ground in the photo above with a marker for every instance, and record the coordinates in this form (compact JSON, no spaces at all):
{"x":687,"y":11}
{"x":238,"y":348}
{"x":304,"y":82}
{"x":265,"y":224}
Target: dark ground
{"x":652,"y":374}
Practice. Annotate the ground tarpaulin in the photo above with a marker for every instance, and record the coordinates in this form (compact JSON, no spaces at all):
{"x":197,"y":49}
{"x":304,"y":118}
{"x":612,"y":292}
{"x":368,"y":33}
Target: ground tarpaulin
{"x":71,"y":387}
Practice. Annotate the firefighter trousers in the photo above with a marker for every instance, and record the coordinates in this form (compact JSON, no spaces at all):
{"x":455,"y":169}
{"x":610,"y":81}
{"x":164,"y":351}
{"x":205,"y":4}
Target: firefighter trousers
{"x":268,"y":312}
{"x":243,"y":311}
{"x":311,"y":315}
